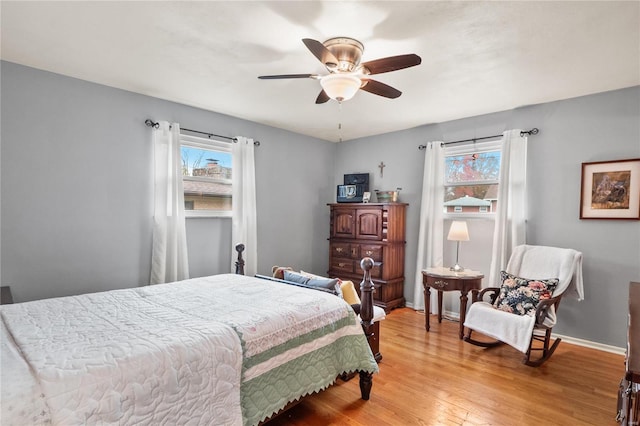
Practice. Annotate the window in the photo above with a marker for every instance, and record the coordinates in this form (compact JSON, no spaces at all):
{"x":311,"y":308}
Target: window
{"x":471,"y":176}
{"x":206,"y":177}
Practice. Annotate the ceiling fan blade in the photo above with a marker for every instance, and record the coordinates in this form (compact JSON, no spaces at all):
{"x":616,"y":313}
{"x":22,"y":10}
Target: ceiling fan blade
{"x":380,"y":89}
{"x":274,"y":77}
{"x":392,"y":63}
{"x":322,"y":97}
{"x":319,"y":51}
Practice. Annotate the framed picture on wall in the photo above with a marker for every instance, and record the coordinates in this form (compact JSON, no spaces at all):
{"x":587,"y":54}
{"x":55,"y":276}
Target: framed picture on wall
{"x":610,"y":190}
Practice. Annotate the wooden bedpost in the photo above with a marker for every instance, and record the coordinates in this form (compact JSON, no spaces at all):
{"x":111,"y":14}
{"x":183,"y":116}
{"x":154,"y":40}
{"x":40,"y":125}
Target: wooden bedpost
{"x":240,"y":261}
{"x":366,"y":319}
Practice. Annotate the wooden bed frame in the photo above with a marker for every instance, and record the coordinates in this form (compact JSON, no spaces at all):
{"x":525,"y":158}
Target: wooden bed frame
{"x":366,"y":314}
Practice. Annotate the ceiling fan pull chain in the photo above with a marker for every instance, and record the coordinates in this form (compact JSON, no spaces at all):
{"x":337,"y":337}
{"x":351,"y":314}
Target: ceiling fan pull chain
{"x":340,"y":121}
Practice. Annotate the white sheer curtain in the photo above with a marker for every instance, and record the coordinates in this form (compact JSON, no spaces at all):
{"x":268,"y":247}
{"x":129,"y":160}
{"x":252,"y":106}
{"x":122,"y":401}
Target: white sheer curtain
{"x":244,"y":228}
{"x":430,"y":251}
{"x":169,"y":261}
{"x":511,"y":214}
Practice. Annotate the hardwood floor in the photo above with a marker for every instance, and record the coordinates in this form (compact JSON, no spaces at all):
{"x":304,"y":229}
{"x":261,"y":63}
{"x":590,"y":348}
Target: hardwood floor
{"x":436,"y":379}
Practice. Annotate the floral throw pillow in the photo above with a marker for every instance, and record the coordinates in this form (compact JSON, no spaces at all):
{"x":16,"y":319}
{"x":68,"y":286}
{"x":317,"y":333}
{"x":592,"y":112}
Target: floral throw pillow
{"x":521,"y":295}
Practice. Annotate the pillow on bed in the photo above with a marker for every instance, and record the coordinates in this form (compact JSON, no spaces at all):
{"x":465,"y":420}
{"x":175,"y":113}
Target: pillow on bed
{"x":310,"y":275}
{"x":295,"y":277}
{"x":338,"y":289}
{"x":349,"y":293}
{"x":521,"y":295}
{"x":328,"y":283}
{"x":278,"y":271}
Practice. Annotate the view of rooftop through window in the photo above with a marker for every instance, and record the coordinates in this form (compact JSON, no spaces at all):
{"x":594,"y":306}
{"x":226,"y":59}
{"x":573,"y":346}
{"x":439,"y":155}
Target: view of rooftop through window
{"x":194,"y":158}
{"x":206,"y":176}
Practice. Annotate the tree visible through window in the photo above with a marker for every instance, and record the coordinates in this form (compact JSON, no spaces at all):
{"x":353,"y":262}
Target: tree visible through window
{"x":471,"y":179}
{"x":206,"y":176}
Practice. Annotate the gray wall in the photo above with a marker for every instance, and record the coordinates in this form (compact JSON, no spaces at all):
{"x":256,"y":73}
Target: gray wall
{"x":599,"y":127}
{"x":76,"y":188}
{"x":76,"y":184}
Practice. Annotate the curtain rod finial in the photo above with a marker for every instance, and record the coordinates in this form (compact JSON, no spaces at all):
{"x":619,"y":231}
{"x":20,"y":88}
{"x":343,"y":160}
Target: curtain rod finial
{"x":533,"y":131}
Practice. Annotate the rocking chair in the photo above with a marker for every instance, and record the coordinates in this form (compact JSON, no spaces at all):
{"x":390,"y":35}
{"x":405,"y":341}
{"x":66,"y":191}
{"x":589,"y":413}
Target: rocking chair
{"x":516,"y":319}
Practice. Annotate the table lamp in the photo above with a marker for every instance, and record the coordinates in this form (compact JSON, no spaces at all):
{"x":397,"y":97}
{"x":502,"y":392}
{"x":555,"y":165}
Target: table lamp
{"x":458,"y":232}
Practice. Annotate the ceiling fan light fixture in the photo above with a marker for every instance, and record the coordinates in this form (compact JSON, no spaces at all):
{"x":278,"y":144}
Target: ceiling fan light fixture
{"x":341,"y":56}
{"x":340,"y":87}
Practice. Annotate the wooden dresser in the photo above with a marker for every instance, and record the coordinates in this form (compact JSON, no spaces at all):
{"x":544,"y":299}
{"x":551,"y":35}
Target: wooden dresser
{"x":629,"y":391}
{"x":375,"y":230}
{"x":633,"y":345}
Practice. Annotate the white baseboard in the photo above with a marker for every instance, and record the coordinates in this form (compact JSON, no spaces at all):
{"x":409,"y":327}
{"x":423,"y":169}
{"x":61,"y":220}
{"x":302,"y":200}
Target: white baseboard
{"x":568,"y":339}
{"x":590,"y":344}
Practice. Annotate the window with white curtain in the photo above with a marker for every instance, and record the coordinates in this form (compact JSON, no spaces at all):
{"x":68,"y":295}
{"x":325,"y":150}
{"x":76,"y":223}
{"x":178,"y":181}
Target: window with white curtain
{"x":206,"y":176}
{"x":494,"y":230}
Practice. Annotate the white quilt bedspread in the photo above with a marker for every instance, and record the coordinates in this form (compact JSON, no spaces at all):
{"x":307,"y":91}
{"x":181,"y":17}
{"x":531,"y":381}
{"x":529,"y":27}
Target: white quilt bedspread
{"x":22,"y":401}
{"x":122,"y":358}
{"x":204,"y":351}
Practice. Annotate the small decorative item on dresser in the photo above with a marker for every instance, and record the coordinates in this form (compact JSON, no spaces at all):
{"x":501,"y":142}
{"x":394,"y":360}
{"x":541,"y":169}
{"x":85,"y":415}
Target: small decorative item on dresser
{"x":388,"y":196}
{"x":353,"y":189}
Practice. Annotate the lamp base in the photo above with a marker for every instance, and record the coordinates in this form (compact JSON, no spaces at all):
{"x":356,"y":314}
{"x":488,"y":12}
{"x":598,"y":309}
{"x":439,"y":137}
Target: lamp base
{"x":456,"y":268}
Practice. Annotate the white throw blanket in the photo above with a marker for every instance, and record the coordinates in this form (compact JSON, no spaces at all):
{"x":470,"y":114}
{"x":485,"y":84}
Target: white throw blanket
{"x":532,"y":262}
{"x":512,"y":329}
{"x":540,"y":262}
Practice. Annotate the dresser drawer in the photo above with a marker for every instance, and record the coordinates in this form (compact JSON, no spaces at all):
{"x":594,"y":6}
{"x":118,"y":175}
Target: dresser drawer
{"x":372,"y":251}
{"x":345,"y":250}
{"x":341,"y":250}
{"x":342,"y":265}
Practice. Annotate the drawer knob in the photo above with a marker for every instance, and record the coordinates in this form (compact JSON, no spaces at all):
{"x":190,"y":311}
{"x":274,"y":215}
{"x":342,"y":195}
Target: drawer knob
{"x":342,"y":265}
{"x":369,"y":252}
{"x":440,"y":284}
{"x":339,"y":249}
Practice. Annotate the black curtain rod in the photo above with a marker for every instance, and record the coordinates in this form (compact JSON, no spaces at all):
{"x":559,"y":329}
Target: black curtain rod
{"x":155,"y":125}
{"x":533,"y":131}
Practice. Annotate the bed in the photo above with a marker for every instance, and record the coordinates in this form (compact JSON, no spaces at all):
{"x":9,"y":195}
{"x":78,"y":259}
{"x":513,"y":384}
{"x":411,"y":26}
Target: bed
{"x":225,"y":350}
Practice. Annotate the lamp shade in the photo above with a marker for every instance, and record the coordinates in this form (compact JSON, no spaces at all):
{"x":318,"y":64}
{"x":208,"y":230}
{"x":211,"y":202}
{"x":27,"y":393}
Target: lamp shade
{"x":340,"y":87}
{"x":458,"y":231}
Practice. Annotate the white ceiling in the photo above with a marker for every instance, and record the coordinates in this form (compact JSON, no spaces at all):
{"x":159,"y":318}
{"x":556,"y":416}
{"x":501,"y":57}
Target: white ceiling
{"x":477,"y":57}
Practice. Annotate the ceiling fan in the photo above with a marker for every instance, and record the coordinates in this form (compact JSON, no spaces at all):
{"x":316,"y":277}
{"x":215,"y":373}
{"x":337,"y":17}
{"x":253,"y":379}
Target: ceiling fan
{"x":341,"y":56}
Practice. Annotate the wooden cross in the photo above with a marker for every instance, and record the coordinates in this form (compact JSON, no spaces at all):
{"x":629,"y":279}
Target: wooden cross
{"x":381,"y":166}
